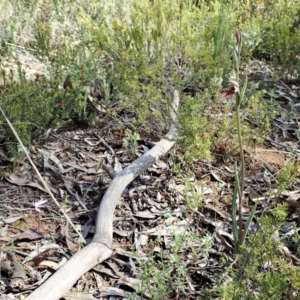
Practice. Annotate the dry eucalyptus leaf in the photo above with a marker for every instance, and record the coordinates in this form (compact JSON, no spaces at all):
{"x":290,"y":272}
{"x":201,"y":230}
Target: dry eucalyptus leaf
{"x":112,"y":291}
{"x":41,"y":249}
{"x":118,"y":167}
{"x":202,"y":190}
{"x":31,"y":234}
{"x":145,"y":215}
{"x":107,"y":272}
{"x":79,"y":296}
{"x":3,"y":230}
{"x":14,"y":179}
{"x":217,"y":177}
{"x":53,"y":265}
{"x":129,"y":281}
{"x":10,"y":220}
{"x":124,"y":233}
{"x":140,"y":239}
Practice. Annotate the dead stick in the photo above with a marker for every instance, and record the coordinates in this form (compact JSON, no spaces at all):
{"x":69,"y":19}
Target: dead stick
{"x":99,"y":249}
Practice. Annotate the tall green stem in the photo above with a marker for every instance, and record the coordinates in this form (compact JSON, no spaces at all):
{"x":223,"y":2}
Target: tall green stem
{"x":242,"y":166}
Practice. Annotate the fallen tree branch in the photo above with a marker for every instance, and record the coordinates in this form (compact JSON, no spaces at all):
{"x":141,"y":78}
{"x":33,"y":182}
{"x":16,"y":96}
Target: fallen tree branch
{"x":99,"y":249}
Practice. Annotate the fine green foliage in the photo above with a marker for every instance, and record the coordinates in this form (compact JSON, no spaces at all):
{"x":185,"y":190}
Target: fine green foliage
{"x":161,"y":45}
{"x":130,"y":143}
{"x":166,"y":272}
{"x":261,"y":271}
{"x":139,"y":52}
{"x":287,"y":176}
{"x":36,"y":99}
{"x":193,"y":195}
{"x":33,"y":106}
{"x":277,"y":32}
{"x":195,"y":137}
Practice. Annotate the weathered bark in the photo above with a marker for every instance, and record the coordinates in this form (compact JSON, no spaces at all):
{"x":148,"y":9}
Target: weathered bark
{"x":99,"y":249}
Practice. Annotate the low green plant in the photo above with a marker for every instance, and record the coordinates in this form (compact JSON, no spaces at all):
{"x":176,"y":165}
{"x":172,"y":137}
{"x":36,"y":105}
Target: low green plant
{"x":193,"y":195}
{"x":161,"y":45}
{"x":35,"y":105}
{"x":195,"y":136}
{"x":165,"y":273}
{"x":18,"y":156}
{"x":130,"y":143}
{"x":255,"y":118}
{"x":287,"y":176}
{"x":261,"y":271}
{"x":35,"y":102}
{"x":272,"y":30}
{"x":178,"y":166}
{"x":295,"y":240}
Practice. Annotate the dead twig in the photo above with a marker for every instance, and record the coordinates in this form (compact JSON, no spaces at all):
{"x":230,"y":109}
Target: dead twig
{"x":99,"y":249}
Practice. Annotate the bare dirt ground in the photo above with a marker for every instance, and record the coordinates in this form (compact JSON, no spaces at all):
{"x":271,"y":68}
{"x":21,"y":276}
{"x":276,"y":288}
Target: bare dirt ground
{"x":78,"y":164}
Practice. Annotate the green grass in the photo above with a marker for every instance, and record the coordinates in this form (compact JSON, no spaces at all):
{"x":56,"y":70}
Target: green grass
{"x":138,"y":53}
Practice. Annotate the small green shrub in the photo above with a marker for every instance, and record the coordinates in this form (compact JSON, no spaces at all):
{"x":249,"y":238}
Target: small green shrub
{"x":165,"y":273}
{"x":130,"y":143}
{"x":261,"y":271}
{"x":33,"y":106}
{"x":161,"y":45}
{"x":195,"y":136}
{"x":193,"y":195}
{"x":288,"y":175}
{"x":275,"y":32}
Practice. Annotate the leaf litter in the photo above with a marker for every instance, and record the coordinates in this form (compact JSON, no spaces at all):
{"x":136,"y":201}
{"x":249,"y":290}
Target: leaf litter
{"x":78,"y":166}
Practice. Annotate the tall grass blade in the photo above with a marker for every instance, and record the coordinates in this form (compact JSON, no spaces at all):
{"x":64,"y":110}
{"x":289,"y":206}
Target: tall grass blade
{"x":250,"y":218}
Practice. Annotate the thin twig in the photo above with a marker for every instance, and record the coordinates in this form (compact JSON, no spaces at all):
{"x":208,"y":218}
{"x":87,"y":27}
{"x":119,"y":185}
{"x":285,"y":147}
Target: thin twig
{"x":104,"y":143}
{"x":40,"y":176}
{"x":75,"y":196}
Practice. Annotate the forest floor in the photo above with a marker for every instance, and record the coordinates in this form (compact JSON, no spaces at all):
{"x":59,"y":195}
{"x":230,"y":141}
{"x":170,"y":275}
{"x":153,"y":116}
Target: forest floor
{"x":159,"y":211}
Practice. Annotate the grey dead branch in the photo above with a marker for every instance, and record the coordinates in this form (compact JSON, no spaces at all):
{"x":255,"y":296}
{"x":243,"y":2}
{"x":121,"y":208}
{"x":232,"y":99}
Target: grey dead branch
{"x":100,"y":247}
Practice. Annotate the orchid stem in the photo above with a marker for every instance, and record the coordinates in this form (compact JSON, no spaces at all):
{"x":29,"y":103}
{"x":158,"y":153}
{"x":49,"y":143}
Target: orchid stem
{"x":38,"y":243}
{"x":242,"y":169}
{"x":238,"y":98}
